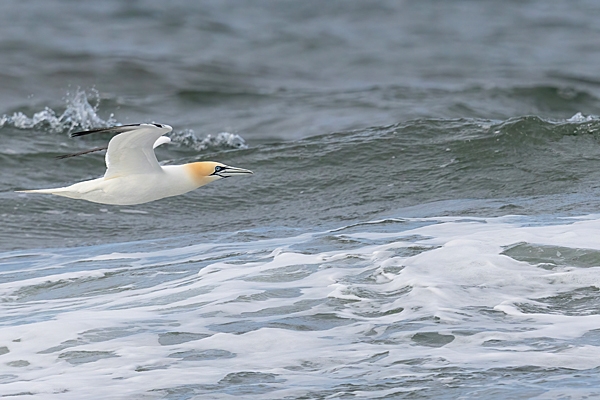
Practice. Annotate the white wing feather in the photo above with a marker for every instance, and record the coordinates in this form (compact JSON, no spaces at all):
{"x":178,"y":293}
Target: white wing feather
{"x":132,"y":152}
{"x":161,"y":140}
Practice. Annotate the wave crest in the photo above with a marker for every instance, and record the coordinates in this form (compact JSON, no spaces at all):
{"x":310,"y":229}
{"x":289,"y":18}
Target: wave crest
{"x":79,"y":114}
{"x":188,"y":138}
{"x":579,"y":117}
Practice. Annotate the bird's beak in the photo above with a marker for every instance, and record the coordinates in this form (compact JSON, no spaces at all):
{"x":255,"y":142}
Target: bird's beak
{"x":233,"y":171}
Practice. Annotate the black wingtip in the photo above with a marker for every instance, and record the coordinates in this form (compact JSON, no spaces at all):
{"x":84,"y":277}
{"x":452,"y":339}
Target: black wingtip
{"x":81,"y":153}
{"x":112,"y":129}
{"x":82,"y":133}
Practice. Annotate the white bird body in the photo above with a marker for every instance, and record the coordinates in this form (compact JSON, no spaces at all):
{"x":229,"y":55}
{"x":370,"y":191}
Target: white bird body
{"x":133,"y":174}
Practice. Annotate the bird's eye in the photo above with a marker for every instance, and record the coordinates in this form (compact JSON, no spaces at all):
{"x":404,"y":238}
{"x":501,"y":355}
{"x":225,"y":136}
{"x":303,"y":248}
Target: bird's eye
{"x":218,"y":168}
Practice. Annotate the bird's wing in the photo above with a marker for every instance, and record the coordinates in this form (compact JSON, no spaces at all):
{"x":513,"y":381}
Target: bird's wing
{"x":159,"y":141}
{"x":131,"y":150}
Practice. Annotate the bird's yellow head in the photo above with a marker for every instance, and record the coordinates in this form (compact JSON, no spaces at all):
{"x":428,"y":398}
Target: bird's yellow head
{"x":204,"y":172}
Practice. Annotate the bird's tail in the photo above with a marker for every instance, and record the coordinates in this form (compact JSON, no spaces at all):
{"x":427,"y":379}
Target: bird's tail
{"x":62,"y":191}
{"x":75,"y":191}
{"x":45,"y":191}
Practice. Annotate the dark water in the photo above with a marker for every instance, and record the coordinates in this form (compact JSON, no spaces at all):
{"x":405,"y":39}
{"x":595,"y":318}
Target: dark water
{"x":353,"y":110}
{"x":349,"y":113}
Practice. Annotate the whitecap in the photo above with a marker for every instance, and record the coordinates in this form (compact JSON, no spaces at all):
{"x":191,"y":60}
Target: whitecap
{"x":79,"y":114}
{"x":188,"y":138}
{"x":579,"y":117}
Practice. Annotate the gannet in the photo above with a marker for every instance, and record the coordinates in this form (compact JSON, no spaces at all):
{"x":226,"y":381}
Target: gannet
{"x":133,"y":175}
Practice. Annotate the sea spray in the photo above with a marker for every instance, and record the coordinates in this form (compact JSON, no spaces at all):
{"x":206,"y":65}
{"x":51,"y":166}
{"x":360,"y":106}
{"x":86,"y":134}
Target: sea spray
{"x":79,"y":114}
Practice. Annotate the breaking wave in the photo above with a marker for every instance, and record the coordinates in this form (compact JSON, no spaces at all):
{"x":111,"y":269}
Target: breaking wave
{"x":188,"y":138}
{"x":79,"y":114}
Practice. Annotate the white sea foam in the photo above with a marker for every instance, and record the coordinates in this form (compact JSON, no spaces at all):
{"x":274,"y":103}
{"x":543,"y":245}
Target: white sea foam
{"x":78,"y":114}
{"x":379,"y":309}
{"x":81,"y":113}
{"x":188,"y":138}
{"x":579,"y":117}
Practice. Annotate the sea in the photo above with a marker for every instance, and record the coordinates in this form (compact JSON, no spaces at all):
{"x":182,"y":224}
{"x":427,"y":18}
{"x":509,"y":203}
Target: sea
{"x":423,"y":221}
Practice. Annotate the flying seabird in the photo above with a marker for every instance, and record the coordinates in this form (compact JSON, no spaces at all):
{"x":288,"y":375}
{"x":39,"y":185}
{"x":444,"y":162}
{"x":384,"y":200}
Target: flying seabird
{"x":133,"y":175}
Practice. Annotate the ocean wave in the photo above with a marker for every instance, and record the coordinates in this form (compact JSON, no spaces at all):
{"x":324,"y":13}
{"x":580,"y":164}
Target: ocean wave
{"x":188,"y":138}
{"x":82,"y":113}
{"x":579,"y":117}
{"x":79,"y":114}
